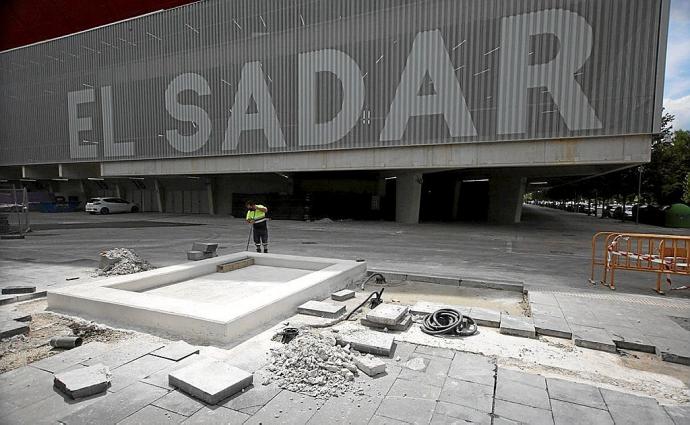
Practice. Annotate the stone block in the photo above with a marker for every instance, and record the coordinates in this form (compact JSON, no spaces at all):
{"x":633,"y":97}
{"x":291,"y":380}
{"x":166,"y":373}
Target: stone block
{"x":67,"y":359}
{"x":321,"y":309}
{"x":210,"y":380}
{"x":370,"y":365}
{"x":8,"y":315}
{"x":632,"y":409}
{"x":630,"y":339}
{"x":552,"y":326}
{"x":342,"y":295}
{"x":468,"y":394}
{"x":404,"y":325}
{"x":473,"y":368}
{"x":521,"y":392}
{"x":124,"y":353}
{"x":129,"y":373}
{"x":565,"y":413}
{"x":593,"y":338}
{"x":195,"y":255}
{"x":573,"y":392}
{"x":176,"y":351}
{"x":387,"y":314}
{"x":17,"y":289}
{"x":522,"y":414}
{"x":673,"y":350}
{"x":369,"y":342}
{"x":84,"y":381}
{"x":11,"y":328}
{"x":485,"y":317}
{"x":517,"y":326}
{"x":205,"y":247}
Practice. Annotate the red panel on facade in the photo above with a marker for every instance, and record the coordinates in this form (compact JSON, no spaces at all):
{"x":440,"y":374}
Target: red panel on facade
{"x":25,"y":22}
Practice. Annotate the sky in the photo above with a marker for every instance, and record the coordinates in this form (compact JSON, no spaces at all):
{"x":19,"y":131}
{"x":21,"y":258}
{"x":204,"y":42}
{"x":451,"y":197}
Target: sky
{"x":677,"y":86}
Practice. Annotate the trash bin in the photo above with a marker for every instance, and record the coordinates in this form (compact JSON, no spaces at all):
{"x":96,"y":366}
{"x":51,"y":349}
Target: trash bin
{"x":678,"y":216}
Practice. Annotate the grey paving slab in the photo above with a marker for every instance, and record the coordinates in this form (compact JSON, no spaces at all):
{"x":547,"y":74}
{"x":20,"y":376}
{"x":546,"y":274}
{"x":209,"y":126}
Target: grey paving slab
{"x":372,"y":342}
{"x":84,"y":381}
{"x":18,"y":289}
{"x":520,"y":392}
{"x":680,"y":415}
{"x":522,"y":414}
{"x":370,"y":365}
{"x":135,"y":370}
{"x":341,"y":411}
{"x":287,"y":408}
{"x":387,"y":314}
{"x":24,"y":386}
{"x":473,"y":368}
{"x":485,"y":317}
{"x":574,"y":392}
{"x":402,"y":352}
{"x":343,"y":294}
{"x":382,"y":420}
{"x":253,"y":398}
{"x":565,"y":413}
{"x":11,"y":314}
{"x":543,"y":298}
{"x":116,"y":406}
{"x":213,"y":415}
{"x":545,"y":310}
{"x":65,"y":359}
{"x":463,"y":413}
{"x":630,"y":339}
{"x":10,"y":328}
{"x":379,"y":385}
{"x":439,"y":419}
{"x":517,"y":326}
{"x":673,"y":350}
{"x":321,"y":309}
{"x":434,"y":373}
{"x":124,"y":353}
{"x":152,"y":415}
{"x":179,"y":403}
{"x":469,"y":394}
{"x":435,"y":351}
{"x":632,"y":410}
{"x":160,"y":378}
{"x":405,"y":388}
{"x":176,"y":351}
{"x":530,"y":379}
{"x":210,"y":380}
{"x":503,"y":421}
{"x":404,"y":324}
{"x":593,"y":338}
{"x":406,"y":409}
{"x":552,"y":326}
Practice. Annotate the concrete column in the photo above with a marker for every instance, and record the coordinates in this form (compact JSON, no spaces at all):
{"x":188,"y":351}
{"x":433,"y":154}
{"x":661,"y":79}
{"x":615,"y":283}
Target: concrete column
{"x":456,"y":199}
{"x":118,"y":192}
{"x":157,"y":195}
{"x":408,"y":194}
{"x":210,"y":192}
{"x":505,"y":199}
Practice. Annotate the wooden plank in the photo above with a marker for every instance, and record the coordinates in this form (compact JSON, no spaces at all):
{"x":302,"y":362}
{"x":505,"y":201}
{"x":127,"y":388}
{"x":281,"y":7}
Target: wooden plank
{"x":239,"y":264}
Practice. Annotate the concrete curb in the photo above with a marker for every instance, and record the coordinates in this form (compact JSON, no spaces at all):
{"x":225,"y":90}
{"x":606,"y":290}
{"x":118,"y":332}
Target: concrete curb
{"x":473,"y":282}
{"x":10,"y":299}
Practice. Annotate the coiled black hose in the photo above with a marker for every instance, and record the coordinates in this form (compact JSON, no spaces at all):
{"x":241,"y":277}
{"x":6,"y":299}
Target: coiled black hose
{"x":447,"y":321}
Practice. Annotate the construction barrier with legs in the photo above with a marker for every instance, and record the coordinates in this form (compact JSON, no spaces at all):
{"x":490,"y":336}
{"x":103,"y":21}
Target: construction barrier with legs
{"x":661,"y":254}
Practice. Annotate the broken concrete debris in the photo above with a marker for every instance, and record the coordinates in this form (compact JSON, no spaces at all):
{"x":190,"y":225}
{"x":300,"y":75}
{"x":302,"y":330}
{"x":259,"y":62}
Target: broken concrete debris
{"x":83,"y":382}
{"x":370,"y":365}
{"x":121,"y":261}
{"x":210,"y":380}
{"x":342,"y":295}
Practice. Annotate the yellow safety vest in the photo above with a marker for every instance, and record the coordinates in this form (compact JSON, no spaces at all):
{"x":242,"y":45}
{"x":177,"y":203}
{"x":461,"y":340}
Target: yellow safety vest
{"x":257,"y":215}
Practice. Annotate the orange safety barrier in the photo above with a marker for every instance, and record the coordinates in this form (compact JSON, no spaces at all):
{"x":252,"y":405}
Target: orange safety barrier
{"x":661,"y":254}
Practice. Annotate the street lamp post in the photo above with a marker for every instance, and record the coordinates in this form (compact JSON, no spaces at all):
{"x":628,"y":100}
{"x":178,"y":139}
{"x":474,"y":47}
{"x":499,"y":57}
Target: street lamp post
{"x":639,"y":193}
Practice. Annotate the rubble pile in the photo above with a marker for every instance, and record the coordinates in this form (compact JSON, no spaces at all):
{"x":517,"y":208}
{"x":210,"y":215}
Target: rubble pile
{"x":313,"y":364}
{"x":120,"y":261}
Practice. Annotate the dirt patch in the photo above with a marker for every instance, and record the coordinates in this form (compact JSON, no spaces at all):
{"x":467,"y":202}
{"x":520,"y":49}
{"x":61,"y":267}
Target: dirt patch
{"x":21,"y":350}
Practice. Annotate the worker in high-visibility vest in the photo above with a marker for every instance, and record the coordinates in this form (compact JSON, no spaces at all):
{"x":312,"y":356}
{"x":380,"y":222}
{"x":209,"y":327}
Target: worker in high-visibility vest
{"x":256,"y":216}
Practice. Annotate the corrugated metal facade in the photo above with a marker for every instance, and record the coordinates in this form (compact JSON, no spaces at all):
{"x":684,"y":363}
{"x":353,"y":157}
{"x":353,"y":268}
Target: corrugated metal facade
{"x":427,"y":72}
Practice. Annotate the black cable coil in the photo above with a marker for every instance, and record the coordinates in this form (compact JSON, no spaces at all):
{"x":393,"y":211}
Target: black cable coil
{"x":450,"y":322}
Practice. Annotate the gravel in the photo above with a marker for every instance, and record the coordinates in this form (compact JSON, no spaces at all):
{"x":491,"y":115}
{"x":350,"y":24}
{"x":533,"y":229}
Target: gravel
{"x":121,"y":261}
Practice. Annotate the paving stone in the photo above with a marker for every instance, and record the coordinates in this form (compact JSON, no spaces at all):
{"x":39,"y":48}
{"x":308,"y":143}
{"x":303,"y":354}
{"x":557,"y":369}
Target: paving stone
{"x":404,"y":325}
{"x":152,"y":415}
{"x":680,"y":415}
{"x":630,"y":339}
{"x":473,"y":368}
{"x":403,"y":350}
{"x":379,"y":385}
{"x":530,"y":379}
{"x":370,"y":365}
{"x":545,"y":310}
{"x":439,"y":419}
{"x":406,"y":409}
{"x":434,"y":373}
{"x":287,"y":407}
{"x":552,"y":326}
{"x":206,"y":247}
{"x":517,"y":326}
{"x":382,"y":420}
{"x":575,"y":414}
{"x":84,"y":381}
{"x":10,"y":328}
{"x":321,"y":309}
{"x":543,"y":298}
{"x":342,"y":411}
{"x":673,"y":350}
{"x":343,"y":294}
{"x":160,"y":378}
{"x":369,"y":342}
{"x":521,"y":392}
{"x":124,"y":353}
{"x":593,"y":338}
{"x":115,"y":406}
{"x":213,"y":415}
{"x":503,"y":421}
{"x":485,"y":317}
{"x":574,"y":392}
{"x":210,"y":380}
{"x":68,"y":358}
{"x":632,"y":410}
{"x":18,"y":289}
{"x":463,"y":413}
{"x":492,"y":284}
{"x":254,"y":397}
{"x":387,"y":314}
{"x":7,"y":315}
{"x":417,"y":364}
{"x":469,"y":394}
{"x":176,"y":351}
{"x":179,"y":403}
{"x":405,"y":388}
{"x":522,"y":414}
{"x":135,"y":370}
{"x":435,"y":351}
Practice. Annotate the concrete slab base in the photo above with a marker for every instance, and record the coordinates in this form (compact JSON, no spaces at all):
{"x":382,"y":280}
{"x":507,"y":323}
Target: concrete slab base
{"x":210,"y":380}
{"x":321,"y":309}
{"x":83,"y":382}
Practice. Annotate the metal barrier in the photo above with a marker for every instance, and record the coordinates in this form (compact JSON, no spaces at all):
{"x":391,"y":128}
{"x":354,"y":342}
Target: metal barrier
{"x":661,"y":254}
{"x":14,"y":211}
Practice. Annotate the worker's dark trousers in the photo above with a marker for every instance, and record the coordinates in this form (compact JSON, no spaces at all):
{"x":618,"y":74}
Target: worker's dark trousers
{"x":261,"y":236}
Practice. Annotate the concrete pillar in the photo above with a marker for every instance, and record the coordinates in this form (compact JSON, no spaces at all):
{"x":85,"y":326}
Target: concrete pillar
{"x":158,"y":198}
{"x":456,"y":199}
{"x":118,"y":191}
{"x":505,"y":199}
{"x":210,"y":192}
{"x":408,"y":194}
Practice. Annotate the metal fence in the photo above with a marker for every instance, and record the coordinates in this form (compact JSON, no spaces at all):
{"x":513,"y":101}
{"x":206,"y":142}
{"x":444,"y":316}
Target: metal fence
{"x":14,"y":211}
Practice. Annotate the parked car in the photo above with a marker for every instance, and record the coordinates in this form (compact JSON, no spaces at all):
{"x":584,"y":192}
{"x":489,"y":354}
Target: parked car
{"x":110,"y":205}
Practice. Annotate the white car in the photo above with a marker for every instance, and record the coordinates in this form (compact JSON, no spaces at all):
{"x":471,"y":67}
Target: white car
{"x":110,"y":205}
